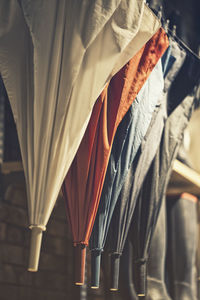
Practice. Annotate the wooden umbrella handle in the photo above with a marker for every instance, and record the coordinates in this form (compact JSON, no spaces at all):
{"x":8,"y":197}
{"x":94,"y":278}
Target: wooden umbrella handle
{"x":80,"y":256}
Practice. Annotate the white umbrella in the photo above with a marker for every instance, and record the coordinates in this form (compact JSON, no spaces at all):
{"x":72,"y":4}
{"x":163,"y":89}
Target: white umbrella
{"x":55,"y":59}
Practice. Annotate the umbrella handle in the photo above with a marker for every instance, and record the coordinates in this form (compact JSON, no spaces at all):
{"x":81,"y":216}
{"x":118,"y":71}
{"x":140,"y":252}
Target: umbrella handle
{"x":95,"y":268}
{"x":35,"y":246}
{"x":115,"y":263}
{"x":142,"y":280}
{"x":80,"y":256}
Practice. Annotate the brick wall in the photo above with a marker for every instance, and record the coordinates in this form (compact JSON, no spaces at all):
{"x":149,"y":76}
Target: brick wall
{"x":54,"y":280}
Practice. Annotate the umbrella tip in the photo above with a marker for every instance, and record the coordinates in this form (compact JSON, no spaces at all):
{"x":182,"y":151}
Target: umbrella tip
{"x":112,"y":289}
{"x":94,"y":287}
{"x":32,"y":270}
{"x":78,"y":283}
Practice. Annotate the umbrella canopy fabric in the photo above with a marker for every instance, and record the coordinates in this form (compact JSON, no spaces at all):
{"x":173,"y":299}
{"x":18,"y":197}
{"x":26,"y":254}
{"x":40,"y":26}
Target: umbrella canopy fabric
{"x":126,"y":143}
{"x":84,"y":181}
{"x":127,"y":199}
{"x":55,"y":59}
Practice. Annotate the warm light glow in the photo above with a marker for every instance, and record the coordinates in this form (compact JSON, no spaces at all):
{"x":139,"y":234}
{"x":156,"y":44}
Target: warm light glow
{"x":32,"y":270}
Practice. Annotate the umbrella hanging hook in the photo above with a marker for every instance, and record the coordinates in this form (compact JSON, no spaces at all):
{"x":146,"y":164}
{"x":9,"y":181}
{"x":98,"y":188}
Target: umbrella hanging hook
{"x":160,"y":12}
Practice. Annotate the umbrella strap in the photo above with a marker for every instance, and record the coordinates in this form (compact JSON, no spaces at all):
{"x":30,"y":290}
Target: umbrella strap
{"x":100,"y":250}
{"x":140,"y":261}
{"x":76,"y":243}
{"x":42,"y":227}
{"x":116,"y":253}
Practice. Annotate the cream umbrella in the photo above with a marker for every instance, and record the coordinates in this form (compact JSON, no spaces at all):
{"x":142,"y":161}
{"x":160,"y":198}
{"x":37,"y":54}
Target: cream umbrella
{"x":55,"y":59}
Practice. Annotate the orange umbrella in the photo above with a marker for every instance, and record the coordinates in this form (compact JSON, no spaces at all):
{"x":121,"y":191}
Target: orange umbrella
{"x":83,"y":184}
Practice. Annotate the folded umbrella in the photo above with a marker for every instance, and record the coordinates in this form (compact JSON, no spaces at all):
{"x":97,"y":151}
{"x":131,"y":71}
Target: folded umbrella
{"x":55,"y":59}
{"x":84,"y":181}
{"x":149,"y":201}
{"x":126,"y":143}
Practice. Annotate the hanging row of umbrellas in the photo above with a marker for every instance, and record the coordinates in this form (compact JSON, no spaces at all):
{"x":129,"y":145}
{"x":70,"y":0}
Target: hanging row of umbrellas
{"x":141,"y":197}
{"x":84,"y":181}
{"x":126,"y":141}
{"x":88,"y":89}
{"x":138,"y":167}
